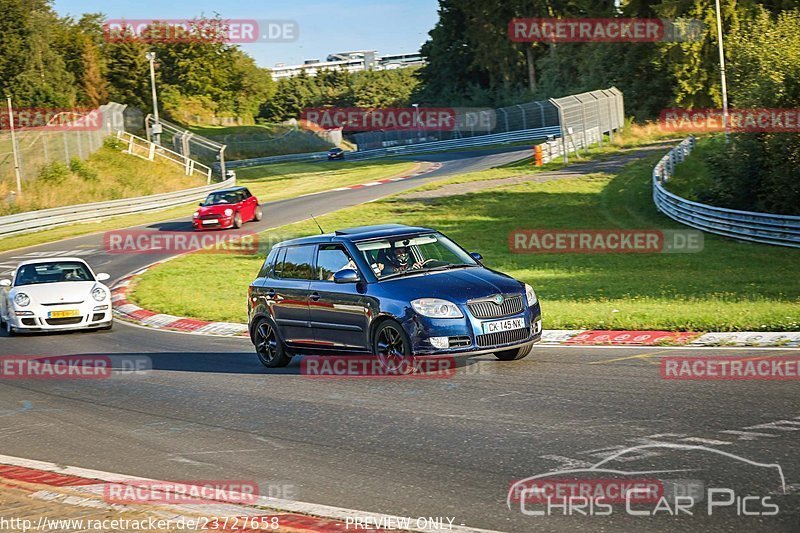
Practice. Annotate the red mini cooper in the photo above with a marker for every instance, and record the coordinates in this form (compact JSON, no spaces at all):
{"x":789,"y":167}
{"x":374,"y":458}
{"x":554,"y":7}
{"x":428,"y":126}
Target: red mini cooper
{"x":227,"y":208}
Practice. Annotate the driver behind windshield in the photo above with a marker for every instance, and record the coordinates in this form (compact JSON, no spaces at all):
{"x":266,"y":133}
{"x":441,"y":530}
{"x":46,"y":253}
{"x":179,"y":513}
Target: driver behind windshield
{"x":399,"y":259}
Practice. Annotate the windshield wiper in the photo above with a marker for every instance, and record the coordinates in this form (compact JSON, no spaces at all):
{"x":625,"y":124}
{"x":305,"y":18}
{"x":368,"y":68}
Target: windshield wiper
{"x":423,"y":270}
{"x":445,"y":267}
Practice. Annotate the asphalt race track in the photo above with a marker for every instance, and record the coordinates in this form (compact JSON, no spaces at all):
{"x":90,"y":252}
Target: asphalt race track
{"x":449,"y":446}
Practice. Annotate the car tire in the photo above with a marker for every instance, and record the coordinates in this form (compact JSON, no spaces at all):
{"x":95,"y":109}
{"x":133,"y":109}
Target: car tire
{"x":237,"y":220}
{"x":258,"y":214}
{"x":392,"y":347}
{"x":10,"y":331}
{"x":269,"y":346}
{"x":108,"y":327}
{"x":515,"y":354}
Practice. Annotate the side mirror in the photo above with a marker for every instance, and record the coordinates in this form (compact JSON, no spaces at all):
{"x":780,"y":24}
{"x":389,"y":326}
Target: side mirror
{"x":102,"y":276}
{"x":5,"y":282}
{"x":200,"y":204}
{"x":476,"y":256}
{"x":346,"y":275}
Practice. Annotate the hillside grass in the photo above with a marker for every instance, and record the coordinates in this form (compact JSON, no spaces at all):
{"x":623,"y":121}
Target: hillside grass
{"x":263,"y":140}
{"x":108,"y":174}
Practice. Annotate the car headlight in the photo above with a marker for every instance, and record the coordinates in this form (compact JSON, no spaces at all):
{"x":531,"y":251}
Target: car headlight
{"x":196,"y":214}
{"x":436,"y":308}
{"x":22,"y":299}
{"x":228,"y":212}
{"x":99,"y":294}
{"x":530,"y":295}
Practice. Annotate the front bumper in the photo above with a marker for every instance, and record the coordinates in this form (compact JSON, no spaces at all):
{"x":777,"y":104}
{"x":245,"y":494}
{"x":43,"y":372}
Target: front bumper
{"x":223,"y":223}
{"x":89,"y":317}
{"x":465,"y":335}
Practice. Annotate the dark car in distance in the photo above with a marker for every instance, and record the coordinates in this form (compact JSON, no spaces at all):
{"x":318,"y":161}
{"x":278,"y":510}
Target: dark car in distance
{"x":393,"y":291}
{"x":335,"y":153}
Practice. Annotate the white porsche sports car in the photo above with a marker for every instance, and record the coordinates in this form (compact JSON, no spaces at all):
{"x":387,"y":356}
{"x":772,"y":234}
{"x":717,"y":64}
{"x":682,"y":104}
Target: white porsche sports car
{"x":54,"y":294}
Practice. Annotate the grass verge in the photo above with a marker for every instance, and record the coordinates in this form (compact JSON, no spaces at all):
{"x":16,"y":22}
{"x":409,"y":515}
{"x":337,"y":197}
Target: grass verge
{"x":287,"y":180}
{"x":729,"y":286}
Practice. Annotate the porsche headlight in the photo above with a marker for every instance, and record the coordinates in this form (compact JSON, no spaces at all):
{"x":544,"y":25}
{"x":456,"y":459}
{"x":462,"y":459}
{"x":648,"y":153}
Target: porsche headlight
{"x":196,"y":214}
{"x":436,"y":308}
{"x":99,"y":294}
{"x":228,"y":212}
{"x":530,"y":295}
{"x":22,"y":299}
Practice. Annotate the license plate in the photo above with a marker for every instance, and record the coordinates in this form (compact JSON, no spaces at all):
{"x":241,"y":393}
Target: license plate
{"x":63,"y":314}
{"x":503,"y":325}
{"x":211,"y":221}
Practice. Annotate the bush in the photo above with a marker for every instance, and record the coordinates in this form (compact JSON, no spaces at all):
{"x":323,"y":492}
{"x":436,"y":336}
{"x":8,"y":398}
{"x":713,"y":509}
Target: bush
{"x":82,"y":169}
{"x":55,"y":172}
{"x":113,"y":143}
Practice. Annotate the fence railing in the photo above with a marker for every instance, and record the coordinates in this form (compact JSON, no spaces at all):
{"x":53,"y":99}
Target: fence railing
{"x":49,"y":218}
{"x":150,"y":151}
{"x":767,"y":228}
{"x":187,"y":143}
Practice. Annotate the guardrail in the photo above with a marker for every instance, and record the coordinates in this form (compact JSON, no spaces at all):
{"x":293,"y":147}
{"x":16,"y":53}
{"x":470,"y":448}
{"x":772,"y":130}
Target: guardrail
{"x":149,"y":150}
{"x":49,"y":218}
{"x":410,"y":149}
{"x":767,"y":228}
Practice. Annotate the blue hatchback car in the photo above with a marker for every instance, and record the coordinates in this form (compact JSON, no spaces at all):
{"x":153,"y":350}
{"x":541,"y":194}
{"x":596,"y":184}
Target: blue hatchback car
{"x":394,"y":291}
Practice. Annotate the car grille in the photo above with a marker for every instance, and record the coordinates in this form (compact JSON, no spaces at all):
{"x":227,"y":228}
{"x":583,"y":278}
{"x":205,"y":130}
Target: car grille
{"x":460,"y":341}
{"x":488,"y":309}
{"x":503,"y":337}
{"x":64,"y":321}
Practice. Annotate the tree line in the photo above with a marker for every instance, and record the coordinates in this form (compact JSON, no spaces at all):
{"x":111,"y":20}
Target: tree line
{"x":52,"y":61}
{"x":472,"y":61}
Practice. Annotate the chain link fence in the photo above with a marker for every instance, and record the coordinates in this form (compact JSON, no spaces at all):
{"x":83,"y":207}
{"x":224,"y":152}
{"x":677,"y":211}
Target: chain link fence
{"x":596,"y":109}
{"x":580,"y":113}
{"x":68,"y":135}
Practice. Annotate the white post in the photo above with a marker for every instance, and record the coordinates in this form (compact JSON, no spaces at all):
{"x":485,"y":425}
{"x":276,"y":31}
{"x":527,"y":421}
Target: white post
{"x":14,"y":147}
{"x":151,"y":56}
{"x":722,"y":73}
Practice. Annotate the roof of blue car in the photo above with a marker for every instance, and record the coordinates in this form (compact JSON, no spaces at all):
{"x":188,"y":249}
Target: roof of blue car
{"x":360,"y":233}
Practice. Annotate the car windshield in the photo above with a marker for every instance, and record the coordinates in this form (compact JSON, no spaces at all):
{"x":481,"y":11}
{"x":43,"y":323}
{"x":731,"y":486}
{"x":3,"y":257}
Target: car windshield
{"x":217,"y":198}
{"x":413,"y":254}
{"x":38,"y":273}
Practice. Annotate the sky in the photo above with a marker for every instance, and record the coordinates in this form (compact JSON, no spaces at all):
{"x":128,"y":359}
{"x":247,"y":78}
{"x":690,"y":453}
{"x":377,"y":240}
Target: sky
{"x":388,"y":26}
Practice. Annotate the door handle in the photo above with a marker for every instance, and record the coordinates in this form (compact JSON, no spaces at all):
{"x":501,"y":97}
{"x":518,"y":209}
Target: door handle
{"x":314,"y":296}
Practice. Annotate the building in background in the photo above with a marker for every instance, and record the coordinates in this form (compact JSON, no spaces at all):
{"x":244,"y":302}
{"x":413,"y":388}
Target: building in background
{"x":353,"y":61}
